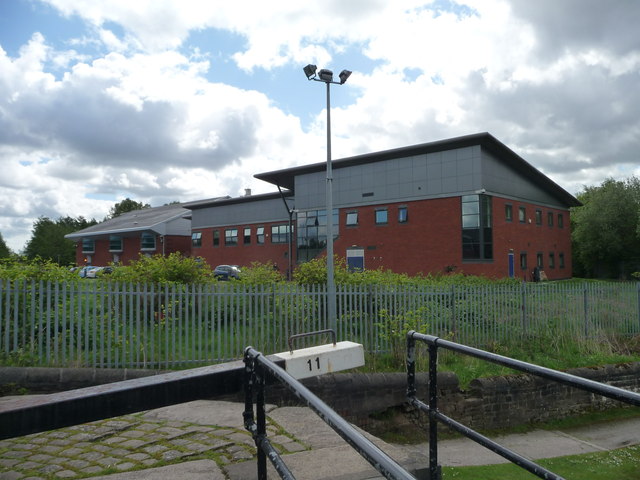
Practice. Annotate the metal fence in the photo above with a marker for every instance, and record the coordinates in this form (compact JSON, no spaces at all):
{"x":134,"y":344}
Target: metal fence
{"x":102,"y":324}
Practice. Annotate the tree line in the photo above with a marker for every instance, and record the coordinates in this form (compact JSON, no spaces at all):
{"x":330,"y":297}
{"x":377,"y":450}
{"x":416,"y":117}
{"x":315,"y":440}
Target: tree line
{"x":605,"y":231}
{"x":47,"y":240}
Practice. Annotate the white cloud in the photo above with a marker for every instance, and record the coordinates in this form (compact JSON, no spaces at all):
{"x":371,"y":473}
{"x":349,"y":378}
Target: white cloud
{"x":126,"y":112}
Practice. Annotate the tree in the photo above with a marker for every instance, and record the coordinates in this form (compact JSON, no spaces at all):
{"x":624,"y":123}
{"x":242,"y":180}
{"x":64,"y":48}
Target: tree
{"x":605,"y":229}
{"x":47,"y":239}
{"x":4,"y":249}
{"x":126,"y":205}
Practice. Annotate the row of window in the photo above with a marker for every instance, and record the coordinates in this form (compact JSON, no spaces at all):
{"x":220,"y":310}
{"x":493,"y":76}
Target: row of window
{"x":147,"y":242}
{"x":381,"y":216}
{"x":279,"y":234}
{"x":551,"y":260}
{"x":522,"y":216}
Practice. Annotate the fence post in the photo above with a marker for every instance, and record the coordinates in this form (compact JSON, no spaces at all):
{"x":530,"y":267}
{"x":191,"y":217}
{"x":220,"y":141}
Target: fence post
{"x":523,"y":295}
{"x":586,"y":311}
{"x":434,"y":473}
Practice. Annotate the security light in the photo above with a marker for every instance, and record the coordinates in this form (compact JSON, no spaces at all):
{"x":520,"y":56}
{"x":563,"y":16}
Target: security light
{"x":310,"y":71}
{"x":326,"y":75}
{"x":344,"y":74}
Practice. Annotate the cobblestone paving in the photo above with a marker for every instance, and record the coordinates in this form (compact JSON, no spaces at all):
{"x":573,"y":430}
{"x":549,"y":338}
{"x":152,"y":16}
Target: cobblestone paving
{"x":128,"y":443}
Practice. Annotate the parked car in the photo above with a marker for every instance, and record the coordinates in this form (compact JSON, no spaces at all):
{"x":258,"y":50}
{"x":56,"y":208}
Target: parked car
{"x":92,"y":271}
{"x":226,"y":272}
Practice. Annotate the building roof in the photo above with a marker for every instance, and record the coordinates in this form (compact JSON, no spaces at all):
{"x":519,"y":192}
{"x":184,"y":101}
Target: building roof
{"x":286,"y":178}
{"x":222,"y":201}
{"x":153,"y":219}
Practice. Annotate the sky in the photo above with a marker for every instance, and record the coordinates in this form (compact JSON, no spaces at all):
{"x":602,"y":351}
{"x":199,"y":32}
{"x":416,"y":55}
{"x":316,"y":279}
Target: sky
{"x":179,"y":100}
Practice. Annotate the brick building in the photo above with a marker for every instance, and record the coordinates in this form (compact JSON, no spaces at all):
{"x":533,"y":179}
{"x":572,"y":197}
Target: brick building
{"x":150,"y":231}
{"x":467,"y":204}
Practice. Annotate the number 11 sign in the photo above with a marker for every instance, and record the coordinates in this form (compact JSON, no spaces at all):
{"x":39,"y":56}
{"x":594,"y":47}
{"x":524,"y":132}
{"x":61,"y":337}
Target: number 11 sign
{"x":312,"y":361}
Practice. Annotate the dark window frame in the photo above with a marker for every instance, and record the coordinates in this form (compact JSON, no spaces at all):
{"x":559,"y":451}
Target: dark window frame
{"x":522,"y":214}
{"x":230,"y":237}
{"x":350,"y":216}
{"x":508,"y":212}
{"x":145,"y":245}
{"x":216,"y":238}
{"x":116,"y":244}
{"x":378,"y":221}
{"x":196,"y":239}
{"x":403,"y":214}
{"x":246,"y":237}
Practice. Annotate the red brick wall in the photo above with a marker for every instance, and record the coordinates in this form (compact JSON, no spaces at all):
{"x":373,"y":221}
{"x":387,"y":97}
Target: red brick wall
{"x":241,"y":254}
{"x":131,"y":249}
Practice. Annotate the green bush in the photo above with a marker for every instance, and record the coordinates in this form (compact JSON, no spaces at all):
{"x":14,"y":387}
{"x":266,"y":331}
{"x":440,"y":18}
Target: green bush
{"x":261,"y":274}
{"x":21,"y":268}
{"x":173,"y":268}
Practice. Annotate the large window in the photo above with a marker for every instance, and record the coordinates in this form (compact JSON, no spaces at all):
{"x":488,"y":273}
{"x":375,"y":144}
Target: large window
{"x":115,"y":243}
{"x":260,"y":235}
{"x":246,"y":237}
{"x":148,"y":241}
{"x":381,"y":216}
{"x":216,"y":238}
{"x":88,"y":245}
{"x":196,"y":239}
{"x":560,"y":221}
{"x":312,"y":232}
{"x":477,"y":241}
{"x":231,"y":236}
{"x":522,"y":214}
{"x":538,"y":217}
{"x":550,"y":219}
{"x":279,"y":233}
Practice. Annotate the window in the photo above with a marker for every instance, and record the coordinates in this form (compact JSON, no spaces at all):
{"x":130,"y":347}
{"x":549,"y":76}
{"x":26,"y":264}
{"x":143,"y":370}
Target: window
{"x":260,"y":235}
{"x":540,"y":260}
{"x":508,"y":212}
{"x":231,"y":237}
{"x":403,"y":215}
{"x":561,"y":260}
{"x":148,"y":241}
{"x":550,"y":219}
{"x":115,"y":243}
{"x":311,"y":232}
{"x":196,"y":239}
{"x":216,"y":238}
{"x":538,"y":217}
{"x":352,"y":218}
{"x":522,"y":214}
{"x":88,"y":245}
{"x":552,"y":260}
{"x":523,"y":261}
{"x":477,"y":242}
{"x":246,"y":237}
{"x":279,"y":233}
{"x":560,"y":221}
{"x":381,"y":216}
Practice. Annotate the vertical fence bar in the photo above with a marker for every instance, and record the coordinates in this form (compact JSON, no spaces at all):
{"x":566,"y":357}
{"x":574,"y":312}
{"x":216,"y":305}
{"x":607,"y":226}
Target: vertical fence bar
{"x":433,"y":408}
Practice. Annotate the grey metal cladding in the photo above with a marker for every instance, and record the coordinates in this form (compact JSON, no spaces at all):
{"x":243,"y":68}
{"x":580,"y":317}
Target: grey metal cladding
{"x":497,"y":176}
{"x":394,"y":180}
{"x":270,"y":210}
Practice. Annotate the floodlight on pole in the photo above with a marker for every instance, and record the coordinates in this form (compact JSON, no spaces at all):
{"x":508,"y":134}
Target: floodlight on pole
{"x":326,"y":76}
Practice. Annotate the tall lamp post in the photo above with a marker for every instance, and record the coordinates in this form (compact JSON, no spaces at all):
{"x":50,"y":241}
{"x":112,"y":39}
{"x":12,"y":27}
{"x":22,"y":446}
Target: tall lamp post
{"x":326,"y":76}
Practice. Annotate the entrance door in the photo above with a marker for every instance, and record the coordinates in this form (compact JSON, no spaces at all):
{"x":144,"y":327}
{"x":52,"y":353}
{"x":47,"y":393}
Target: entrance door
{"x":355,"y":259}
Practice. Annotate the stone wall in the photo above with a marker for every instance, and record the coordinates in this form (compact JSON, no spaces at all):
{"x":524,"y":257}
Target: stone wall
{"x":495,"y":402}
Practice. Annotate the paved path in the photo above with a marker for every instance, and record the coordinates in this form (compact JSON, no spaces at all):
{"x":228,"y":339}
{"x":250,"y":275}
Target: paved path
{"x":206,"y":439}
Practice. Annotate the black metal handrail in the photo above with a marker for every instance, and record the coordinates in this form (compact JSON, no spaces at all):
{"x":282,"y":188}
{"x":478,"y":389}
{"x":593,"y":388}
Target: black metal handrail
{"x":435,"y":416}
{"x":257,"y":367}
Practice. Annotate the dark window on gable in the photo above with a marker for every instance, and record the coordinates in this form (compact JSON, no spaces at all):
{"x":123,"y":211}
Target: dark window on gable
{"x":246,"y":238}
{"x":508,"y":212}
{"x":552,"y":260}
{"x":216,"y":238}
{"x":538,"y":217}
{"x":550,"y":219}
{"x":540,"y":260}
{"x":561,"y":260}
{"x":560,"y":221}
{"x":522,"y":214}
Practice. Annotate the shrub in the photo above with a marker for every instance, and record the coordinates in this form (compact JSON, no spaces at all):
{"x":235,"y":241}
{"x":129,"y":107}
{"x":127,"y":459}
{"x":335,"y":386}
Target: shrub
{"x":174,"y":268}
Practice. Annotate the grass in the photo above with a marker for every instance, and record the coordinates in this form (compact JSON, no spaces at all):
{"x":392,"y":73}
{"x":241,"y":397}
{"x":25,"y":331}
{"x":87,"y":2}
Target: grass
{"x":621,"y":464}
